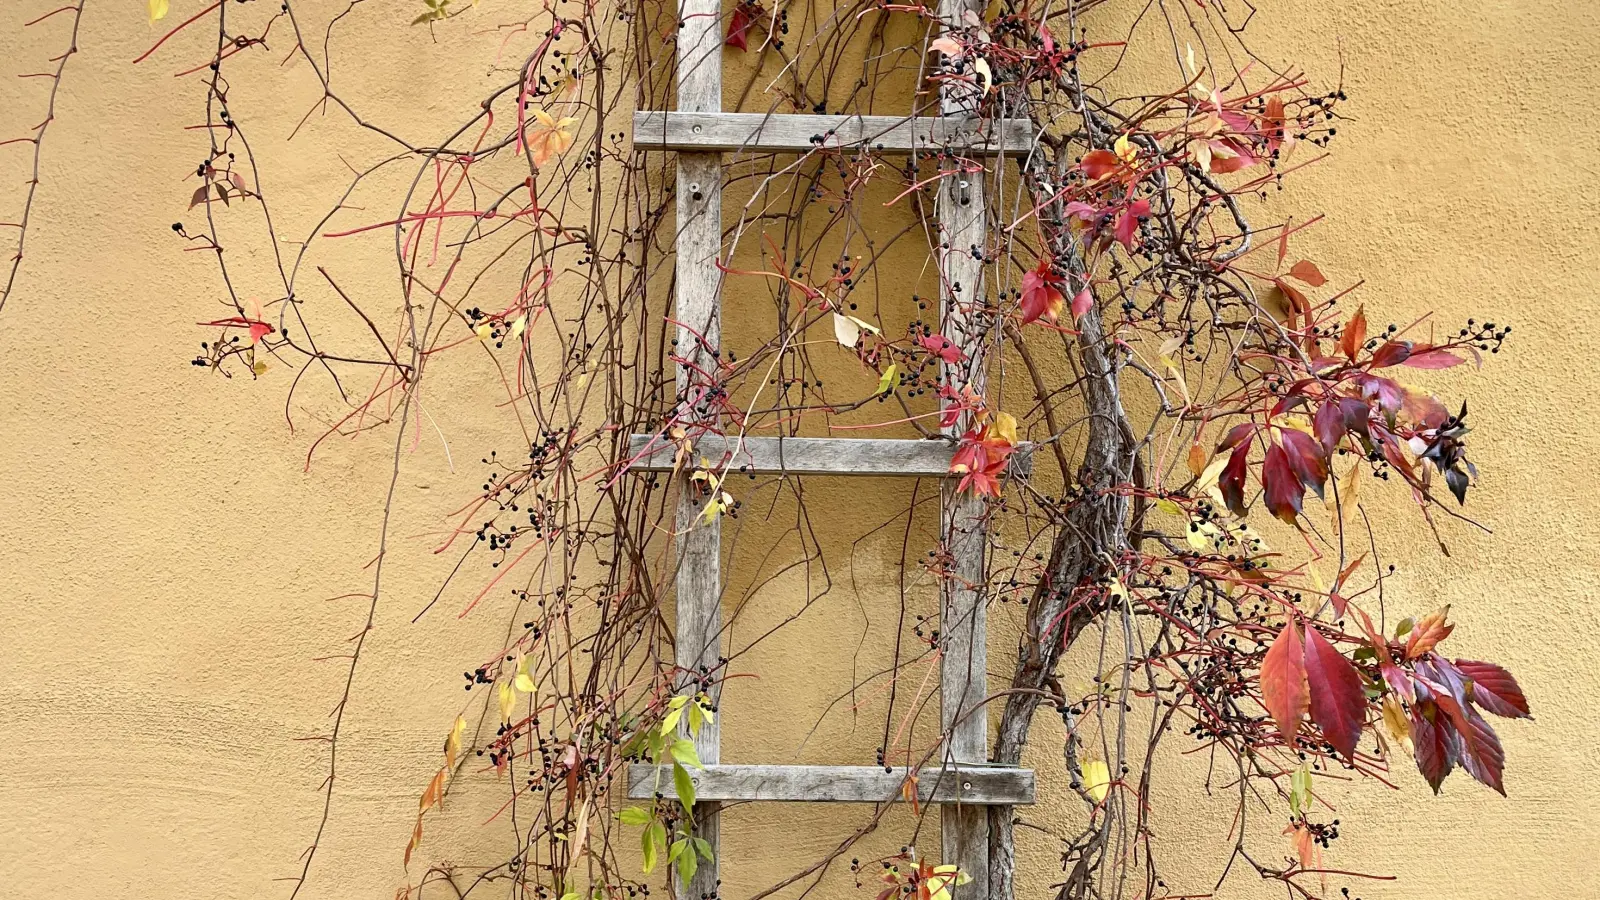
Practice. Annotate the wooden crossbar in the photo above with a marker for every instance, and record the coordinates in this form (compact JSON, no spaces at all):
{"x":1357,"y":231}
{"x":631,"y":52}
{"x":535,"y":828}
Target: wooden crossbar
{"x":974,"y":785}
{"x":762,"y":133}
{"x":814,"y":456}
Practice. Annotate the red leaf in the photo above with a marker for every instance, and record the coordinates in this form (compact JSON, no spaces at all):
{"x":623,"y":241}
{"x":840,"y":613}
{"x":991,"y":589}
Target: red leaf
{"x":1305,"y":457}
{"x":1355,"y":333}
{"x":744,"y":15}
{"x":259,"y":330}
{"x":1284,"y":690}
{"x":1307,"y":271}
{"x":1433,"y":743}
{"x":1392,"y":353}
{"x":1338,"y":705}
{"x":942,"y":347}
{"x":1128,"y":222}
{"x":1231,"y":482}
{"x":1428,"y":358}
{"x":1041,"y":298}
{"x":1097,"y":164}
{"x":1494,"y":690}
{"x":1283,"y":489}
{"x":1082,"y":303}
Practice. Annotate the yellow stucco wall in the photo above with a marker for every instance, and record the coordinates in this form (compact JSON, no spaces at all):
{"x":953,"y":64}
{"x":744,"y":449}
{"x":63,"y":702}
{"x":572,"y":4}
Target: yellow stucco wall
{"x":164,"y":560}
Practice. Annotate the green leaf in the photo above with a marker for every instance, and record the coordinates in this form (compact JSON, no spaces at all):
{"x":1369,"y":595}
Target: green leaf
{"x":683,"y":751}
{"x":696,"y":719}
{"x":650,"y":839}
{"x":886,"y":380}
{"x":634,"y":815}
{"x":647,"y":846}
{"x":1300,"y":790}
{"x":687,"y":864}
{"x":670,"y":723}
{"x":704,"y":846}
{"x":685,"y":787}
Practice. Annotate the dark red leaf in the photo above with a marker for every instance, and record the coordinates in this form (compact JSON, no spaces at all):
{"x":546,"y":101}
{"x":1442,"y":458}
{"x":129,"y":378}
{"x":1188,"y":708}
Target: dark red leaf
{"x":200,"y":196}
{"x":1231,"y":481}
{"x":1306,"y":458}
{"x":1393,"y":675}
{"x":1494,"y":690}
{"x":1355,"y":333}
{"x":1284,"y":690}
{"x":1338,"y":704}
{"x":1392,"y":353}
{"x":1236,"y":435}
{"x":1433,"y":743}
{"x":1478,"y":747}
{"x":1282,"y":486}
{"x":1307,"y":271}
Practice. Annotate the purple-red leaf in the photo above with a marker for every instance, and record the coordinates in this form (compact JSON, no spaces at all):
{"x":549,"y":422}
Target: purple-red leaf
{"x":1478,"y":748}
{"x":1231,"y":481}
{"x":1284,"y":689}
{"x":1282,"y":486}
{"x":1306,"y":458}
{"x":1329,"y":424}
{"x":1236,"y":435}
{"x":1494,"y":690}
{"x":1433,"y":742}
{"x":1338,"y":704}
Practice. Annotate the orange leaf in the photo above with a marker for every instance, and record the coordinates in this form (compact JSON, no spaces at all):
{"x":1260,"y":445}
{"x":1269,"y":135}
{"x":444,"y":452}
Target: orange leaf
{"x":1355,"y":333}
{"x":1428,"y":632}
{"x":1307,"y":271}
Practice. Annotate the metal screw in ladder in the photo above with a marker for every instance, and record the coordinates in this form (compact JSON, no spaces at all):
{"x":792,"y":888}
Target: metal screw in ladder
{"x":964,"y":785}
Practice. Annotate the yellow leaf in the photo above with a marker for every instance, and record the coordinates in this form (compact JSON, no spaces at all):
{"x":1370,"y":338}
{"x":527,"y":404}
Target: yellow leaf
{"x":452,"y":743}
{"x":519,"y":325}
{"x":549,"y":137}
{"x":1168,"y":507}
{"x":259,"y":367}
{"x":482,"y":331}
{"x":524,"y":681}
{"x":1395,"y":720}
{"x":1004,"y":428}
{"x":159,"y":10}
{"x":1125,"y":149}
{"x":943,"y":878}
{"x":1097,"y":779}
{"x":886,"y":380}
{"x":508,"y":699}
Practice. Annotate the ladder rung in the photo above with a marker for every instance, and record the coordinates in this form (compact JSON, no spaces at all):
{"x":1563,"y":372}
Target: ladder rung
{"x":814,"y":456}
{"x":978,"y":785}
{"x":795,"y":133}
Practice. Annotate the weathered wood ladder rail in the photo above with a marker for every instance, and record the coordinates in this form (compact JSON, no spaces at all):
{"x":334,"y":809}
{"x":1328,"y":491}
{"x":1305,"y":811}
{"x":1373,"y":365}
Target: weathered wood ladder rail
{"x":964,"y":785}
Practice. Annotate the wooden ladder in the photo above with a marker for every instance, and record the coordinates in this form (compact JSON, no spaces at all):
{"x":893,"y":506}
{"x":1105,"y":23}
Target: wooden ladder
{"x":964,"y":784}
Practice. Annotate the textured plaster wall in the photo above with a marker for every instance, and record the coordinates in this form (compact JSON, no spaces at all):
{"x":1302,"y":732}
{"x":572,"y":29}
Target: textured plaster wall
{"x":164,"y":560}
